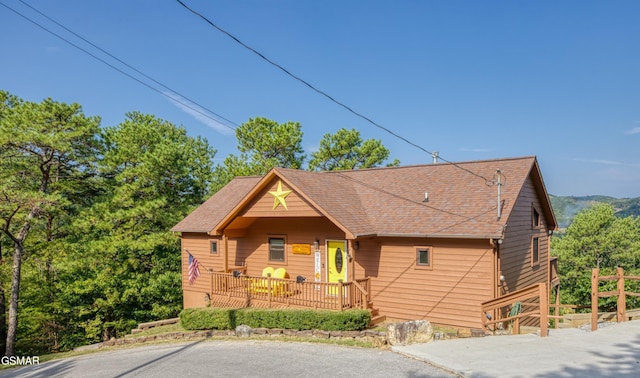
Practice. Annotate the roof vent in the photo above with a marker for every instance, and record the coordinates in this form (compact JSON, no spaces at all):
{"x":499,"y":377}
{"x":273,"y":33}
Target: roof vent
{"x":426,"y":197}
{"x":435,"y":155}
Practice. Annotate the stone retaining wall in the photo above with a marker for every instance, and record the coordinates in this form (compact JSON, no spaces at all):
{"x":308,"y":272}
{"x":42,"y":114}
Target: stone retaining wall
{"x":376,"y":339}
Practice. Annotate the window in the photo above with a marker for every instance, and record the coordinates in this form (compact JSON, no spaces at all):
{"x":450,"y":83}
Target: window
{"x":535,"y":218}
{"x":423,"y":257}
{"x":535,"y":251}
{"x":214,"y":247}
{"x":276,"y":249}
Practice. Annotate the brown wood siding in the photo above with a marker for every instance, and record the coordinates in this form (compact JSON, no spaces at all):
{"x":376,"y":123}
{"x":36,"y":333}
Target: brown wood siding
{"x":515,"y":251}
{"x":254,"y":248}
{"x":199,"y":245}
{"x":262,"y":205}
{"x":461,"y":278}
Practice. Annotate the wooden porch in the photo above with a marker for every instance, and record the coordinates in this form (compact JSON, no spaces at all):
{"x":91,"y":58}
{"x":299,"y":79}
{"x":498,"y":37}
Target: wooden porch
{"x":236,"y":289}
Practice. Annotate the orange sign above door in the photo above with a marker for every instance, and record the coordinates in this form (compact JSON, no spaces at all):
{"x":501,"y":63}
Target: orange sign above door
{"x":301,"y":249}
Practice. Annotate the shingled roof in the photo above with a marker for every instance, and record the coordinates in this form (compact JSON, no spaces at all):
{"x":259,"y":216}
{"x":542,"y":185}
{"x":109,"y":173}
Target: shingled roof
{"x":462,"y":198}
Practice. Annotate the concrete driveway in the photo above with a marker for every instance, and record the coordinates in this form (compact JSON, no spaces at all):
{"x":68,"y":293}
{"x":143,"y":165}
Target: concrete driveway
{"x":611,"y":351}
{"x":236,"y":358}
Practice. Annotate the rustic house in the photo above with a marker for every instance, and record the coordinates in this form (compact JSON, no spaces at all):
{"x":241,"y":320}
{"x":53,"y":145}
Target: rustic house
{"x":417,"y":242}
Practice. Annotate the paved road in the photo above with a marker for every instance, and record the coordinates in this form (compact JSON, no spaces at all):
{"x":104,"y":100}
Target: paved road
{"x":250,"y":358}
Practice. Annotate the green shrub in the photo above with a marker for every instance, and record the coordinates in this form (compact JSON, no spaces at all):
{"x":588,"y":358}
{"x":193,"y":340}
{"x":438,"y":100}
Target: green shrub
{"x":219,"y":318}
{"x":207,"y":318}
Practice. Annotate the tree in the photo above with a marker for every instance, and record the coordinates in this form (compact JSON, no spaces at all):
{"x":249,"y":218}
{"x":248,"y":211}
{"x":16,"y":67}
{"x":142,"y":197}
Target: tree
{"x":43,"y":146}
{"x":263,"y":145}
{"x":346,"y":150}
{"x":595,"y":239}
{"x":125,"y":268}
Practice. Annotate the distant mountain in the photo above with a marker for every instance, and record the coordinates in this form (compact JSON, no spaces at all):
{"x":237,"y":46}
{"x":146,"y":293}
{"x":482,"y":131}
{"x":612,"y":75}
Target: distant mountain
{"x":566,"y":207}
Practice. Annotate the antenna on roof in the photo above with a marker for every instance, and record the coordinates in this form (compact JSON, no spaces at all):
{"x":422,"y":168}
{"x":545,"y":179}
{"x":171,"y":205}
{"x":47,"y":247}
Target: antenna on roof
{"x":435,"y":155}
{"x":498,"y":180}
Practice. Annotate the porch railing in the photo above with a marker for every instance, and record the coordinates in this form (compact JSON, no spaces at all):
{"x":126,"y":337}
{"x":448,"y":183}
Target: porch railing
{"x":294,"y":293}
{"x":532,"y":301}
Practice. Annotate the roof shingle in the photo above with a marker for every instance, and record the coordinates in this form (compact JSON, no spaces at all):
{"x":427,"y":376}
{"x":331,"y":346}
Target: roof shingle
{"x":389,"y":201}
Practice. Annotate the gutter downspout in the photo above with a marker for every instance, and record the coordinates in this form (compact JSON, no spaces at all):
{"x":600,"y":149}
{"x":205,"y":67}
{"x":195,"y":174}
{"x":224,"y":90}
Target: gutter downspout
{"x":495,"y":244}
{"x":497,"y":283}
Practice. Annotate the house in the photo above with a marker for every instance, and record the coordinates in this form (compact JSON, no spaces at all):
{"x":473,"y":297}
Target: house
{"x":415,"y":242}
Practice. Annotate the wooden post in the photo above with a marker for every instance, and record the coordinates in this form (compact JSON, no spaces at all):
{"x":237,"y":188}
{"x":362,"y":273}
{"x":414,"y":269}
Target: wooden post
{"x":225,"y":241}
{"x":340,"y":294}
{"x":622,"y":297}
{"x":352,"y":261}
{"x":556,"y":312}
{"x":269,"y":288}
{"x":211,"y":291}
{"x":594,"y":298}
{"x":544,"y":310}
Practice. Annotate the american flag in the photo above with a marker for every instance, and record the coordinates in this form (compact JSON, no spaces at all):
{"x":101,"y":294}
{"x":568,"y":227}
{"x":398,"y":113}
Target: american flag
{"x":194,"y":270}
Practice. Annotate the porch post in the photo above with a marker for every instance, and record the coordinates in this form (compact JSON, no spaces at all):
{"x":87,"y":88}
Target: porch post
{"x":557,"y":307}
{"x":225,"y":241}
{"x":352,"y":262}
{"x":544,"y":309}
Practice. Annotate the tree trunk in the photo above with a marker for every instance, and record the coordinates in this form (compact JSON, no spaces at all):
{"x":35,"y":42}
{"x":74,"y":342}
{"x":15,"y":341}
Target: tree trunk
{"x":18,"y":250}
{"x":13,"y":301}
{"x":3,"y":312}
{"x":3,"y":322}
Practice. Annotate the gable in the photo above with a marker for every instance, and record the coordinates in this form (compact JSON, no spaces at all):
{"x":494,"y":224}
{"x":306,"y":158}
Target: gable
{"x":278,"y":199}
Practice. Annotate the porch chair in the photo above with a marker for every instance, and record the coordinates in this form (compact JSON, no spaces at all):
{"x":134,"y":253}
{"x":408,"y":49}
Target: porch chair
{"x":261,"y":285}
{"x":267,"y":272}
{"x":280,"y":273}
{"x":281,"y":287}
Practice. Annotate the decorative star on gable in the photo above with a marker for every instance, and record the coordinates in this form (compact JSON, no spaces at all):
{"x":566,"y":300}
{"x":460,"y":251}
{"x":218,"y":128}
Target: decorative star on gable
{"x":279,"y":195}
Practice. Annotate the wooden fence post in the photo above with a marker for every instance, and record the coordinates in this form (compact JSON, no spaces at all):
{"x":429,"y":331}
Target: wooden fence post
{"x":544,"y":310}
{"x":622,"y":297}
{"x":556,"y":312}
{"x":594,"y":298}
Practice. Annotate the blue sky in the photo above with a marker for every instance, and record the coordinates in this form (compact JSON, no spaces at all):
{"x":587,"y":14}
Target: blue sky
{"x":472,"y":80}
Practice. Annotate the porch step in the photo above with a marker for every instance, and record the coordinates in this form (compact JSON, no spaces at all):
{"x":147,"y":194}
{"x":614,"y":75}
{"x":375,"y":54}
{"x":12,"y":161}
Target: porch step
{"x":376,"y":317}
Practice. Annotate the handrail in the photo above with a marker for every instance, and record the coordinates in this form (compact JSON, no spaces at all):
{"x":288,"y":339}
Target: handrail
{"x":534,"y":291}
{"x":510,"y":298}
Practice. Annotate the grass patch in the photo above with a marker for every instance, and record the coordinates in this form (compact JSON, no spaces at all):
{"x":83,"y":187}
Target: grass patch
{"x":176,"y":327}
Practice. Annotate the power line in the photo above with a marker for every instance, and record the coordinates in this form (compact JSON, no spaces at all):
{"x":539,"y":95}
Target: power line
{"x":123,"y":72}
{"x":287,"y":72}
{"x":466,"y":218}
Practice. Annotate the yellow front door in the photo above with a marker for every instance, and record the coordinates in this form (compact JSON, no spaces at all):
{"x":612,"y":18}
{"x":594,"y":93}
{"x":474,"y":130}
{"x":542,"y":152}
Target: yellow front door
{"x":336,"y":262}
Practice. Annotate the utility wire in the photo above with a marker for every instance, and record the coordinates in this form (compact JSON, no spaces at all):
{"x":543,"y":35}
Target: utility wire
{"x":466,"y":218}
{"x":369,"y":120}
{"x":123,"y":72}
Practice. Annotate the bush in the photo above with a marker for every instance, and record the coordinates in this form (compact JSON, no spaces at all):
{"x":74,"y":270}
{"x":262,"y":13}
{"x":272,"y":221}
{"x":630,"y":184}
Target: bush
{"x":207,"y":318}
{"x":221,"y":318}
